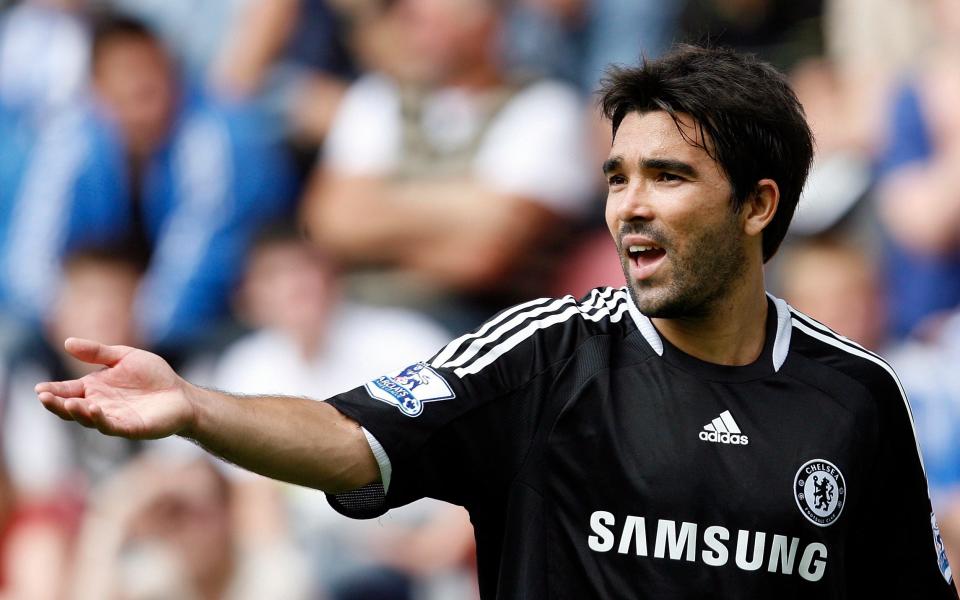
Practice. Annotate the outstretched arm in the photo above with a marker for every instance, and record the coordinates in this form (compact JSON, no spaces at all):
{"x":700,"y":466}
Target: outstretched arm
{"x":137,"y":395}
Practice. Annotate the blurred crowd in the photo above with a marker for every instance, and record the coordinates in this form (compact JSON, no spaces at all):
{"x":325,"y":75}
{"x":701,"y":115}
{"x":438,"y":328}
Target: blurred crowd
{"x":296,"y":196}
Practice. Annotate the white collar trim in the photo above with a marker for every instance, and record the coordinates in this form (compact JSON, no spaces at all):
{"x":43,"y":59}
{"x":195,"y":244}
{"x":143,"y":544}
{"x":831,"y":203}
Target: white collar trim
{"x":781,"y":342}
{"x":645,"y":326}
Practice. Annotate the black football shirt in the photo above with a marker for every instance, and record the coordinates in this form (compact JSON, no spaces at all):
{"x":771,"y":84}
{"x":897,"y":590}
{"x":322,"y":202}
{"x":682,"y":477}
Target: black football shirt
{"x":598,"y":461}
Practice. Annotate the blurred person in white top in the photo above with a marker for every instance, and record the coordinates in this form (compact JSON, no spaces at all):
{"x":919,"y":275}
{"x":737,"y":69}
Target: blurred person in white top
{"x":438,"y":152}
{"x":311,"y":342}
{"x":168,"y":528}
{"x":307,"y":339}
{"x":44,"y":56}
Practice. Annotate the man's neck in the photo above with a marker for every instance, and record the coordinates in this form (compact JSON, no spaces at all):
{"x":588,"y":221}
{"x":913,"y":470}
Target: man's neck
{"x":731,"y":333}
{"x":478,"y":78}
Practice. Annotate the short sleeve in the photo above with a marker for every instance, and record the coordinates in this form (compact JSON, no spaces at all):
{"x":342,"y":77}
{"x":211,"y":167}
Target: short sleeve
{"x":457,"y":427}
{"x":537,"y":148}
{"x":898,"y":535}
{"x":364,"y":138}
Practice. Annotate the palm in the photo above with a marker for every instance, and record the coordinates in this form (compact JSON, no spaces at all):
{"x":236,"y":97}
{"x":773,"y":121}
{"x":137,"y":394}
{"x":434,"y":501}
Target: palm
{"x":140,"y":395}
{"x":137,"y":395}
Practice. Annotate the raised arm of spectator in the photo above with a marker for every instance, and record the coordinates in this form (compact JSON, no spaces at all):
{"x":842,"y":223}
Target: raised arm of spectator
{"x":921,"y":204}
{"x":459,"y":234}
{"x":920,"y":183}
{"x":258,"y":37}
{"x":139,"y":396}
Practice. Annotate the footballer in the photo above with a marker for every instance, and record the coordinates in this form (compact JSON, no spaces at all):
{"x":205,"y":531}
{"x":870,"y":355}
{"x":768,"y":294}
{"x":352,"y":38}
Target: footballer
{"x":686,"y":436}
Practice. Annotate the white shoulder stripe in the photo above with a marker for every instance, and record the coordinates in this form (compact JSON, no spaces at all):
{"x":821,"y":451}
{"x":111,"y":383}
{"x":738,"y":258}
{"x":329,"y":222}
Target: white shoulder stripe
{"x":612,"y":308}
{"x":478,"y":344}
{"x":808,"y":320}
{"x":498,"y":327}
{"x":450,"y":349}
{"x":831,"y":338}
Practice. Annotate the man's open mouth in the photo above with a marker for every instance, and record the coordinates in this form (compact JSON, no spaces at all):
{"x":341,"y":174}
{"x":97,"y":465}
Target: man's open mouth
{"x":645,"y":253}
{"x":644,"y":259}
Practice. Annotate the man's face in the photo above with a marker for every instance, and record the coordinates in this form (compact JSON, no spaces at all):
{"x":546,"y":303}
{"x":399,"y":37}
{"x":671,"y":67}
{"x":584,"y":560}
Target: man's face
{"x":443,"y":37}
{"x":95,"y":301}
{"x":191,"y":518}
{"x":287,"y":286}
{"x":134,"y":79}
{"x":669,"y":209}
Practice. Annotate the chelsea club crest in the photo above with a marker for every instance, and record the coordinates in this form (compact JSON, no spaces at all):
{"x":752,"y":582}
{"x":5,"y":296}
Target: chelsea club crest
{"x":410,"y":388}
{"x":820,"y":491}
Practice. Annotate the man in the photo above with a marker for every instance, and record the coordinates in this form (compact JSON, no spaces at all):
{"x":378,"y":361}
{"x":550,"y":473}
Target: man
{"x":173,"y":528}
{"x":95,"y":299}
{"x":151,"y":161}
{"x":430,"y":158}
{"x":657,"y":441}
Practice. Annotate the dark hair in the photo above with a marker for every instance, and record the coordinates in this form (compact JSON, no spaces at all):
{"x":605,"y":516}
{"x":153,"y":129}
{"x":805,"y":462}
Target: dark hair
{"x":285,"y":232}
{"x":749,"y":120}
{"x":280,"y":231}
{"x":124,"y":255}
{"x":107,"y":27}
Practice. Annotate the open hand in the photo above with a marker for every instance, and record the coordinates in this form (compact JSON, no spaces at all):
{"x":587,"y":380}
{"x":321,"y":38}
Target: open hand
{"x":136,"y":396}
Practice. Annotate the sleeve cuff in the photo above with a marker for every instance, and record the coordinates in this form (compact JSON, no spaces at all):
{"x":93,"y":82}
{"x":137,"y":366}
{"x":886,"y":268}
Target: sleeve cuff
{"x":383,"y":461}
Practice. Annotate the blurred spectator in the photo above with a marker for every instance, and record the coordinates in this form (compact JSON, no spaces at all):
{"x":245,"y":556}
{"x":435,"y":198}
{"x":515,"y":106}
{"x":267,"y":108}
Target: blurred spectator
{"x":920,"y":187}
{"x":577,"y":39}
{"x":164,"y":529}
{"x":308,"y":340}
{"x":842,"y":172}
{"x":43,"y":56}
{"x":95,"y":300}
{"x":447,"y":177}
{"x":311,"y":343}
{"x":293,"y":55}
{"x":16,"y":137}
{"x":928,"y":371}
{"x":836,"y":283}
{"x":783,"y":33}
{"x":593,"y":262}
{"x":870,"y":44}
{"x":34,"y":544}
{"x":154,"y":164}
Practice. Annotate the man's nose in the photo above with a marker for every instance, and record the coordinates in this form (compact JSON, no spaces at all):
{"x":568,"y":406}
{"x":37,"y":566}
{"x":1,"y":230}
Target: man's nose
{"x":634,"y":204}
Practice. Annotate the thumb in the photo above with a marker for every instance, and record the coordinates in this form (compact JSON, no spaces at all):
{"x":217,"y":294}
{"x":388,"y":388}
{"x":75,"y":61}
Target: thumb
{"x":95,"y":352}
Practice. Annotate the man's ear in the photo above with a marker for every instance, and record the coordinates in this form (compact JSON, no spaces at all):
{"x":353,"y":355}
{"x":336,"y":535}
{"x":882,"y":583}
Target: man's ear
{"x":760,"y":207}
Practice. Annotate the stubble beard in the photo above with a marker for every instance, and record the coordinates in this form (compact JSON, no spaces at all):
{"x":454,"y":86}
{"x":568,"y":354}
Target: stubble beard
{"x":699,"y":279}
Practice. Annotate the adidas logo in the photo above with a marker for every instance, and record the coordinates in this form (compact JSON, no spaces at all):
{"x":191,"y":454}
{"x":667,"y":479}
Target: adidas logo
{"x":723,"y":430}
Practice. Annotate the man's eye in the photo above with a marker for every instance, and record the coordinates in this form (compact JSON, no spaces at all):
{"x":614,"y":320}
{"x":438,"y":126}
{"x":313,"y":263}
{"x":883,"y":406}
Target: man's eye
{"x":616,"y":180}
{"x":669,"y":177}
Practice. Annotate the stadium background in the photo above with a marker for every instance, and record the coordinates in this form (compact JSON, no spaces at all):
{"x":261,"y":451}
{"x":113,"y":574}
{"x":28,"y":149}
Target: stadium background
{"x":209,"y":196}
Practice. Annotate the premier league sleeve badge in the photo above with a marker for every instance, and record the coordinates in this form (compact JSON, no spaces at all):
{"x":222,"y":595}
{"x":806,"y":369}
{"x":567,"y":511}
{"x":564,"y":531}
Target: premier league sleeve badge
{"x":410,"y":388}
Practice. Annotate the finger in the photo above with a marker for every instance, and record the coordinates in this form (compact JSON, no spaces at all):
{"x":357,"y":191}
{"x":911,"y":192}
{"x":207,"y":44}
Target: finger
{"x":79,"y":412}
{"x":100,"y":420}
{"x":94,"y":352}
{"x":55,"y":405}
{"x":90,"y":414}
{"x":64,"y":389}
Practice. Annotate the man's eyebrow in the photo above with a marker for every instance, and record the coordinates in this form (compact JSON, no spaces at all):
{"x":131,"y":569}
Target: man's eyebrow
{"x":612,"y":164}
{"x":667,"y":164}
